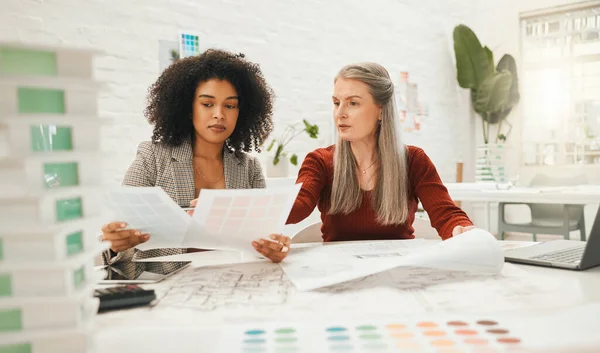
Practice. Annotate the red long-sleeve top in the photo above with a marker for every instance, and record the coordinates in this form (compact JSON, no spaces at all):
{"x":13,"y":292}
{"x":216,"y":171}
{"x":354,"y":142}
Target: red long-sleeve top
{"x":316,"y":176}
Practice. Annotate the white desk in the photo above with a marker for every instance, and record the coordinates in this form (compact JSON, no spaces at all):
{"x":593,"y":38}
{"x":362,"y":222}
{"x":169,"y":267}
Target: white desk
{"x":121,"y":332}
{"x":487,"y":193}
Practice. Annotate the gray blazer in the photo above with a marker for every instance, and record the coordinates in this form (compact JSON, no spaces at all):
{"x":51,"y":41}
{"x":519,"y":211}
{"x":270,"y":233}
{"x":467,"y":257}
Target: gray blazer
{"x":171,"y":168}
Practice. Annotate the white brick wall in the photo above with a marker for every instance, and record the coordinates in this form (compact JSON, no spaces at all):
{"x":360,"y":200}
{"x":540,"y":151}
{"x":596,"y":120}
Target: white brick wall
{"x":299,"y":44}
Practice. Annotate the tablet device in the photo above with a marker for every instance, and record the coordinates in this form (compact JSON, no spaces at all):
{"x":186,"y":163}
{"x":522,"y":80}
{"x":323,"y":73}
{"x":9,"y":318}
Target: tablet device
{"x":140,"y":272}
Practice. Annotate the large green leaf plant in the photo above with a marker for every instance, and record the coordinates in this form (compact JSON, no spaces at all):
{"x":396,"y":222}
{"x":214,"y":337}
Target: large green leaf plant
{"x":494,"y":90}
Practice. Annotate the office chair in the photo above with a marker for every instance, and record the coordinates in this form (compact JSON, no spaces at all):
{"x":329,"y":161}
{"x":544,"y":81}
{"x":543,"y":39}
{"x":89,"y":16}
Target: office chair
{"x":556,"y":219}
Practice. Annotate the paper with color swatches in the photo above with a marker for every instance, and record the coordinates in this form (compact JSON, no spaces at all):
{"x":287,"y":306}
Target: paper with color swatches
{"x":223,"y":219}
{"x":450,"y":336}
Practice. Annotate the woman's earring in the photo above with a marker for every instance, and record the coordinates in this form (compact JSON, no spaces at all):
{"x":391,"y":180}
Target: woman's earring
{"x":379,"y":122}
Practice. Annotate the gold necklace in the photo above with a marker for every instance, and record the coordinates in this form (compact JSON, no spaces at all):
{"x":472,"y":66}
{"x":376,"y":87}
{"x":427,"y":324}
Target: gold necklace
{"x":364,"y":171}
{"x":208,"y":181}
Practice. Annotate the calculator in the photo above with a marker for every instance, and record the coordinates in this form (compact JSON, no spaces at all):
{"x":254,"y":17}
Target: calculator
{"x":122,"y":297}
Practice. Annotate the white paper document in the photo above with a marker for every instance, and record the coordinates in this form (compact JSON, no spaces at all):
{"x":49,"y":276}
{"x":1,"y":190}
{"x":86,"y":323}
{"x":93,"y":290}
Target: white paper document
{"x":223,"y":219}
{"x":149,"y":210}
{"x":311,"y":268}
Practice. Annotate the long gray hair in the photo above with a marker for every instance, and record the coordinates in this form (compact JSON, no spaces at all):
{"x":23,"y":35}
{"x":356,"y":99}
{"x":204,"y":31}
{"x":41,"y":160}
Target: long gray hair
{"x":390,"y":197}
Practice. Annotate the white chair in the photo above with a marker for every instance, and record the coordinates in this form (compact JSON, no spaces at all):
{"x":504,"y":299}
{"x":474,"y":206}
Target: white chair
{"x":310,"y":234}
{"x":556,"y":219}
{"x":424,"y":230}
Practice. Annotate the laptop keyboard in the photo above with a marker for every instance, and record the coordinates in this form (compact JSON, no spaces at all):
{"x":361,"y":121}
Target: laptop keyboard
{"x":569,"y":256}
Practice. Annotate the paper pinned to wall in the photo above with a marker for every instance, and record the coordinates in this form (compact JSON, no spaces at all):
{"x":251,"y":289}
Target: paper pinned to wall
{"x":473,"y":251}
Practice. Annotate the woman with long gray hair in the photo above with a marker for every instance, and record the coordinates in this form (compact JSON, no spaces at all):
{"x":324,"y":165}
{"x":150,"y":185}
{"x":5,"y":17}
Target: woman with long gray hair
{"x":368,"y":185}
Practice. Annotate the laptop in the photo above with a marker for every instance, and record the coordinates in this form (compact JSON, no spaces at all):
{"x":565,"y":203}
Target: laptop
{"x":567,"y":254}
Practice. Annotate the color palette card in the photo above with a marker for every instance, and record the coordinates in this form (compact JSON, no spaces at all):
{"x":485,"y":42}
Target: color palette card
{"x":441,"y":336}
{"x":188,"y":45}
{"x":237,"y":217}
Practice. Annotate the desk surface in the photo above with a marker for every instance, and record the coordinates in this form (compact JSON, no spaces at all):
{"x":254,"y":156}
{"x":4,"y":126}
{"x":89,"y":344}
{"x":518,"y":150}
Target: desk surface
{"x":149,"y":330}
{"x":584,"y":194}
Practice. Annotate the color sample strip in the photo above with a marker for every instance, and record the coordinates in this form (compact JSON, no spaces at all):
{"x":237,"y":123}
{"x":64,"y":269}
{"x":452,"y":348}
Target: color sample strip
{"x":254,"y":341}
{"x":457,"y":323}
{"x":465,"y":332}
{"x":40,"y":100}
{"x":509,"y":340}
{"x":46,"y":138}
{"x":286,"y":340}
{"x":11,"y":320}
{"x":335,"y":329}
{"x":338,"y":339}
{"x":17,"y":61}
{"x":427,"y":324}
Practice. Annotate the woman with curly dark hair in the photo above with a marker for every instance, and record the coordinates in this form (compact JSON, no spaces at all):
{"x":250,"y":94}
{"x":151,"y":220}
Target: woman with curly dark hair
{"x":208,"y":111}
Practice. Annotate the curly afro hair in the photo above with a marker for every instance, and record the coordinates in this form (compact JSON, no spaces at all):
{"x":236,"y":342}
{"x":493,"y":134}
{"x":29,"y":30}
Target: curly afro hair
{"x":171,"y":97}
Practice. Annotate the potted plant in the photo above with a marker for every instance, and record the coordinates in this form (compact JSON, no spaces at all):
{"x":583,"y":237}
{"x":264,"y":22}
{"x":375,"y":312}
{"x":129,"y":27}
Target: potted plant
{"x":277,"y":167}
{"x":494,"y":92}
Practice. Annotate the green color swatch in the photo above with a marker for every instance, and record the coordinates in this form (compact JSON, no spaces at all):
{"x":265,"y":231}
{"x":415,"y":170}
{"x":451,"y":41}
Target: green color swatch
{"x":74,"y":243}
{"x":69,"y":209}
{"x":16,"y":348}
{"x":16,"y":61}
{"x":366,"y":328}
{"x":41,"y":100}
{"x":51,"y":138}
{"x":285,"y":330}
{"x":61,"y":174}
{"x":79,"y":277}
{"x":5,"y":285}
{"x":372,"y":336}
{"x":11,"y":320}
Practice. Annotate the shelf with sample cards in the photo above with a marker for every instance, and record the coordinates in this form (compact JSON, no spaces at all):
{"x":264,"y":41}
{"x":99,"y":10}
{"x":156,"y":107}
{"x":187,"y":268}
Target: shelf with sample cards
{"x":48,"y":95}
{"x":52,"y":207}
{"x":71,"y":340}
{"x":34,"y":174}
{"x":18,"y":59}
{"x":49,"y":243}
{"x":24,"y":313}
{"x":51,"y":279}
{"x":32,"y":135}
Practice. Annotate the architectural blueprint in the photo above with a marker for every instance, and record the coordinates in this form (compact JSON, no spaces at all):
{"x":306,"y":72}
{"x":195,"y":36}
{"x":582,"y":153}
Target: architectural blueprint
{"x":262,"y":290}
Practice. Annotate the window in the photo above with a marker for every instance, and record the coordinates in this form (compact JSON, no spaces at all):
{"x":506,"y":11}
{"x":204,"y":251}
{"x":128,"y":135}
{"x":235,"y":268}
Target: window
{"x":561,"y":86}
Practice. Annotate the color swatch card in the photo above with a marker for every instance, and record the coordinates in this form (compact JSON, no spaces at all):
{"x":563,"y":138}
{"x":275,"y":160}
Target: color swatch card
{"x":238,"y":217}
{"x":223,"y":219}
{"x":436,"y":336}
{"x":188,"y":45}
{"x":311,"y":268}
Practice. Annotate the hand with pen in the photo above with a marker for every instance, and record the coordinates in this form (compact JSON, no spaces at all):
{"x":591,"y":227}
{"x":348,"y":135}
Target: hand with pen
{"x":275,"y":248}
{"x":121,"y":238}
